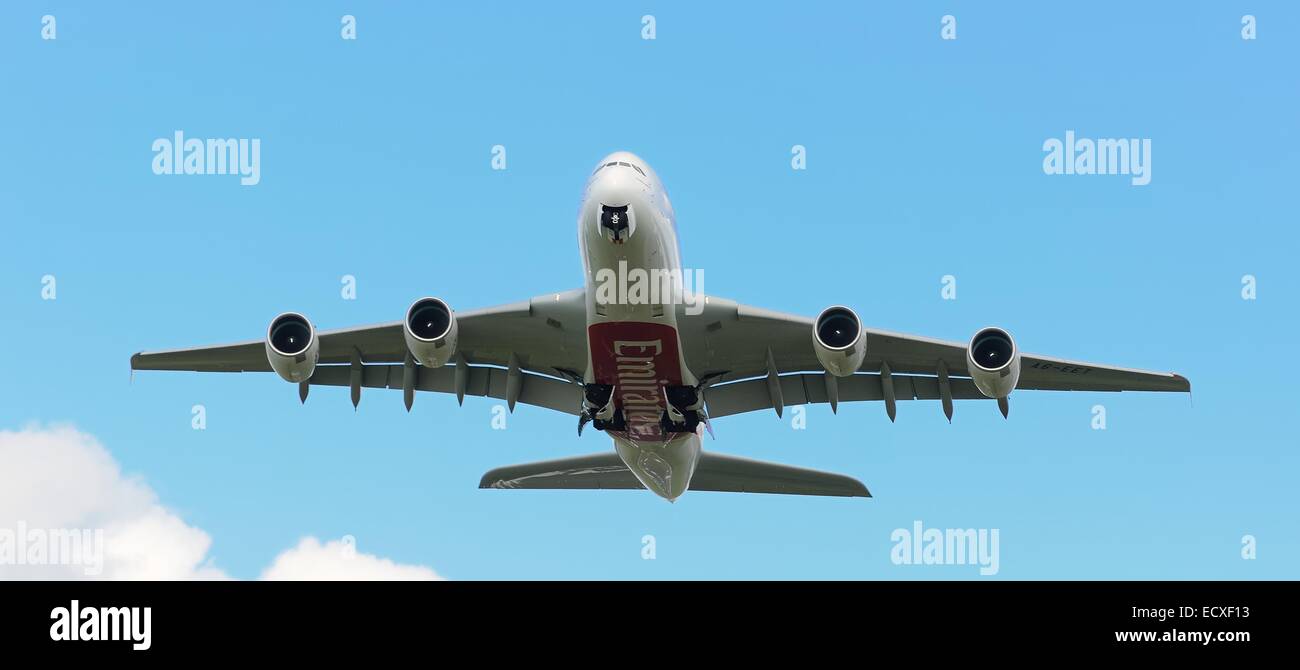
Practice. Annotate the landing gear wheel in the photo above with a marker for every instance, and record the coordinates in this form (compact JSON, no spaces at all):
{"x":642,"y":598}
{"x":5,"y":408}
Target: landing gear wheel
{"x":690,"y":422}
{"x":617,"y":424}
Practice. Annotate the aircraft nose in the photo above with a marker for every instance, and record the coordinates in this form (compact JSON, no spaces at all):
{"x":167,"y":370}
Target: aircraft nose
{"x":616,"y":186}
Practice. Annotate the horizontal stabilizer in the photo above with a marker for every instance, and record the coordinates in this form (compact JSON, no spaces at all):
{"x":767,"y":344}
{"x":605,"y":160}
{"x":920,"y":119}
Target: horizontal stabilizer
{"x":715,"y":472}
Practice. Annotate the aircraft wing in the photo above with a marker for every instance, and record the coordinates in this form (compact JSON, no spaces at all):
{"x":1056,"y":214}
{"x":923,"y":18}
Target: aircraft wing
{"x":735,"y":339}
{"x":542,"y":336}
{"x":518,"y":351}
{"x":715,"y":472}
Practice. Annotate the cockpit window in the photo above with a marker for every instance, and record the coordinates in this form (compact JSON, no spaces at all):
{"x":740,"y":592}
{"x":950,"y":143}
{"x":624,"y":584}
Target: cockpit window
{"x":620,"y":163}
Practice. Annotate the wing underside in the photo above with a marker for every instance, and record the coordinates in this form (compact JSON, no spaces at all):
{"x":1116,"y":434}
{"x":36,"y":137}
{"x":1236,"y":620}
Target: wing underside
{"x":488,"y":382}
{"x":762,"y":359}
{"x":757,"y":359}
{"x":512,"y":352}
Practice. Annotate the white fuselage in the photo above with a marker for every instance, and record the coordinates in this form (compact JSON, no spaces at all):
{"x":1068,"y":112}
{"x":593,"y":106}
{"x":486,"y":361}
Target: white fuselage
{"x":632,"y":341}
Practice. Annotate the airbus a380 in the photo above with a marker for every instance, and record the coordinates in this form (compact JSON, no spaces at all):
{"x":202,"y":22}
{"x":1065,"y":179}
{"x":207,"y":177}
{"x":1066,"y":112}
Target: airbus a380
{"x":650,"y":374}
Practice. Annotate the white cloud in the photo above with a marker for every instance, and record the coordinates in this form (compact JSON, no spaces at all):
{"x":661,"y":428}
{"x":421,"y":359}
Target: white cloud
{"x":337,"y":560}
{"x":66,"y":506}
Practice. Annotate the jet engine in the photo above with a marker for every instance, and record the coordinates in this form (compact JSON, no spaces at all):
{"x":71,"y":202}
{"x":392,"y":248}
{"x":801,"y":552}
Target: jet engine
{"x":430,"y":331}
{"x":292,"y":347}
{"x":993,"y":362}
{"x":839,"y":341}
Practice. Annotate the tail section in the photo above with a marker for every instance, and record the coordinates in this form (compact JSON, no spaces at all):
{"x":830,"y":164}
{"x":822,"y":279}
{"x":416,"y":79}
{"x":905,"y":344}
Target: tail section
{"x":715,"y":472}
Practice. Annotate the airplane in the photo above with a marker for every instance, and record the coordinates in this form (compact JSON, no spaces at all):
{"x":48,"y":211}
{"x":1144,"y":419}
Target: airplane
{"x":652,"y":374}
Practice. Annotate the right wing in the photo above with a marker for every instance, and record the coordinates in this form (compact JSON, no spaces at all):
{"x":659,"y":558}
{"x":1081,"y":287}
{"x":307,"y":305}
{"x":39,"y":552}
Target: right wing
{"x":715,"y":472}
{"x":543,"y":335}
{"x":734,"y":341}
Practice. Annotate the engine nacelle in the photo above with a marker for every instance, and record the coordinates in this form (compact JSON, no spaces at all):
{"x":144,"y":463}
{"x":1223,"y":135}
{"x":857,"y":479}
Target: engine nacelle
{"x":292,"y":347}
{"x":430,"y":330}
{"x":993,"y":362}
{"x":839,"y":341}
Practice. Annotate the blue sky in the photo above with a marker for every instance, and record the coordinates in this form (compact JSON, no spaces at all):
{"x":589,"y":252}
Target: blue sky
{"x":924,"y":160}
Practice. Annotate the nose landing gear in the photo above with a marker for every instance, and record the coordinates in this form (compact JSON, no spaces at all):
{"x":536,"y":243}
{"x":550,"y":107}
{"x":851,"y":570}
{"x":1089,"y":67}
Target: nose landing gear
{"x":616,"y":223}
{"x":598,"y":409}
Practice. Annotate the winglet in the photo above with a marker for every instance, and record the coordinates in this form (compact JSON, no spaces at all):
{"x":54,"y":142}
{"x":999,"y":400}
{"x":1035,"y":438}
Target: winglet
{"x":1190,"y":402}
{"x":1187,"y":386}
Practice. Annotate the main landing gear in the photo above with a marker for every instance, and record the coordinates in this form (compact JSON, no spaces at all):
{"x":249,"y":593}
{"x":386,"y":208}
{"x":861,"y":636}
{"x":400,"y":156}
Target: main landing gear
{"x":685,"y":410}
{"x":684,"y":413}
{"x":598,"y":409}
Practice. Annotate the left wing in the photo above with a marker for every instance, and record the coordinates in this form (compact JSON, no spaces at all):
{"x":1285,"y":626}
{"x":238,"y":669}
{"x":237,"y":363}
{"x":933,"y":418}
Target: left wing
{"x":735,"y":339}
{"x":529,"y":341}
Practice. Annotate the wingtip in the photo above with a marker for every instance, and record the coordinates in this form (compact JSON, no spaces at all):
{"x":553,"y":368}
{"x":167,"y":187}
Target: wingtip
{"x":857,"y":488}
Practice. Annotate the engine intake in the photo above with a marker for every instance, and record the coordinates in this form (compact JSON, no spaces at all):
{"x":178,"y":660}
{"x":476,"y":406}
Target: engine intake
{"x":993,"y":362}
{"x":838,"y":341}
{"x":292,"y":347}
{"x":430,"y":331}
